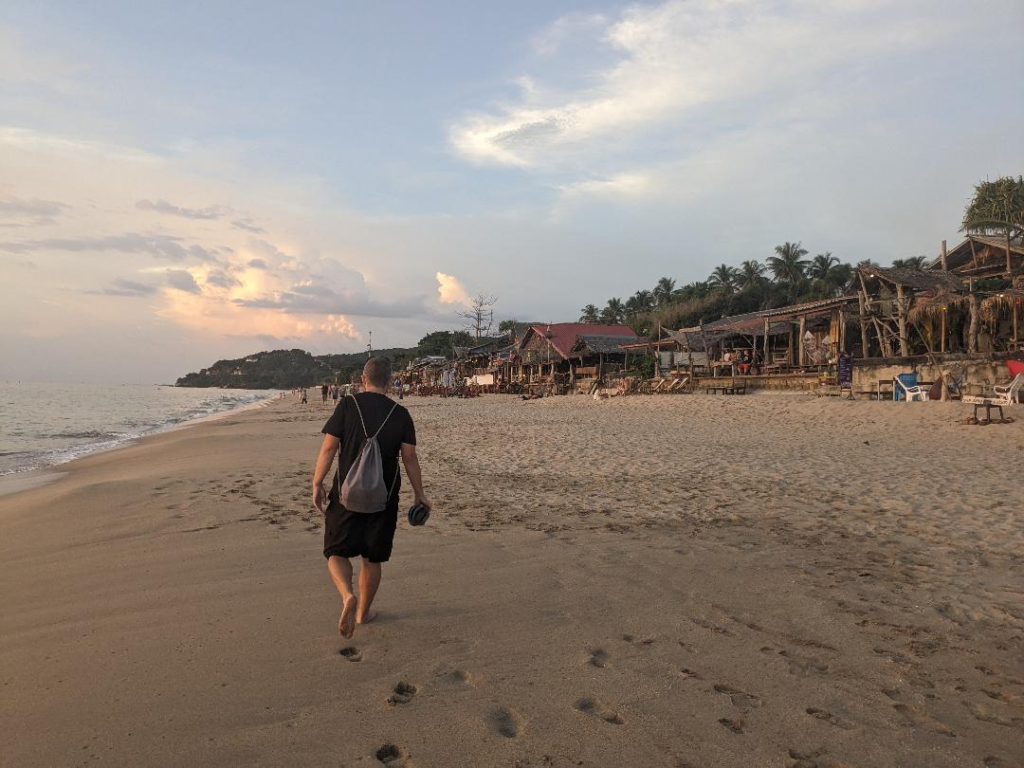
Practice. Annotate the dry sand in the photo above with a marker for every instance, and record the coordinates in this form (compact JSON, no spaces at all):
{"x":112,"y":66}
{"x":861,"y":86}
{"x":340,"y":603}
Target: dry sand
{"x":678,"y":581}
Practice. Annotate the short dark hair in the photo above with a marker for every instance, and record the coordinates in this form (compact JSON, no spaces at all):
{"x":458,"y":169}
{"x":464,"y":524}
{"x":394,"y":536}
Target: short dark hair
{"x":378,"y":372}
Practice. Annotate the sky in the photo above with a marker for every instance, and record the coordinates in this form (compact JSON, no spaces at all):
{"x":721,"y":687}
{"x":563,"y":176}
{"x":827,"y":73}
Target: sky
{"x":185,"y":182}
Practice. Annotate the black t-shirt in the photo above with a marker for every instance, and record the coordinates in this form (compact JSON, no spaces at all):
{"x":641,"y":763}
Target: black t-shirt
{"x":344,"y":424}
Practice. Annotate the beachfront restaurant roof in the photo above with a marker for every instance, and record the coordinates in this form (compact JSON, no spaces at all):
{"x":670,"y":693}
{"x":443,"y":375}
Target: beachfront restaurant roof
{"x":776,"y":321}
{"x":981,"y":256}
{"x":597,"y":344}
{"x":562,"y":337}
{"x":915,"y":279}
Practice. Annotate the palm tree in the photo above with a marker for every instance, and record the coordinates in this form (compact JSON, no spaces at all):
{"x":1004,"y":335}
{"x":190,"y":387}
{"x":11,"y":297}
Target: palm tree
{"x":696,"y":290}
{"x":613,"y":313}
{"x":821,"y":266}
{"x":751,"y":273}
{"x":724,"y":278}
{"x":912,"y":262}
{"x":639,"y":302}
{"x":787,"y":264}
{"x":663,"y":291}
{"x":589,"y":314}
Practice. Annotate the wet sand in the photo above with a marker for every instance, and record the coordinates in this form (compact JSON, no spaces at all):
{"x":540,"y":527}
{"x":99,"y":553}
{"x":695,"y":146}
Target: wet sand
{"x":679,"y":581}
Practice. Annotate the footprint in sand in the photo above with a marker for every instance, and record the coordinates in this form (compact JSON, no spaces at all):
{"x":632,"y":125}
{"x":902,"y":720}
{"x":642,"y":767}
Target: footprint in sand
{"x":733,"y":724}
{"x":829,"y":718}
{"x":598,"y":658}
{"x":351,"y":653}
{"x":688,"y":674}
{"x":594,"y":707}
{"x":402,"y":694}
{"x":739,"y":699}
{"x":455,"y":677}
{"x":506,"y":722}
{"x":391,"y":754}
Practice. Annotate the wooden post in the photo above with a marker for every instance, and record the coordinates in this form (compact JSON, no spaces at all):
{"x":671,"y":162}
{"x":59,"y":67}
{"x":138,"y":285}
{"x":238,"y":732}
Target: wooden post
{"x":972,"y":331}
{"x":945,"y":265}
{"x":803,"y":325}
{"x":901,"y":320}
{"x":767,"y":360}
{"x":1009,"y":261}
{"x":942,"y":331}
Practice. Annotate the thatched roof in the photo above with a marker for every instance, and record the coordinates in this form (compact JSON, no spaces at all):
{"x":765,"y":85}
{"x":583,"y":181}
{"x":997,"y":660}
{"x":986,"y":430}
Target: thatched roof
{"x":1001,"y":303}
{"x":593,"y":344}
{"x":917,"y":279}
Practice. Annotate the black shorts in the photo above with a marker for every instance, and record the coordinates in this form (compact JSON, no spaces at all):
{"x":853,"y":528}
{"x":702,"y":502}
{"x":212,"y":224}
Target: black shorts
{"x":356,"y":534}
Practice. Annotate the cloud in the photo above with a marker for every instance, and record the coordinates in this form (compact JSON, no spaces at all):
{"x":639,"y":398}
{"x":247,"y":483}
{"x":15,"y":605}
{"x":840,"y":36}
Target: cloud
{"x":183,"y":280}
{"x":157,"y":245}
{"x":122,"y":287}
{"x":661,"y":63}
{"x":307,"y":299}
{"x":34,"y":210}
{"x":257,"y":263}
{"x":620,"y":186}
{"x":162,"y":206}
{"x":450,"y":290}
{"x":247,"y":224}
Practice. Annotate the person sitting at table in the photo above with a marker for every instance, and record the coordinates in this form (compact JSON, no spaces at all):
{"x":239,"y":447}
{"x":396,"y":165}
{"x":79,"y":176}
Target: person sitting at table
{"x":744,"y":364}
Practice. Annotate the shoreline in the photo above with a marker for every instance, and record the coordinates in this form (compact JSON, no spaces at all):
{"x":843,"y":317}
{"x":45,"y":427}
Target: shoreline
{"x":20,"y":480}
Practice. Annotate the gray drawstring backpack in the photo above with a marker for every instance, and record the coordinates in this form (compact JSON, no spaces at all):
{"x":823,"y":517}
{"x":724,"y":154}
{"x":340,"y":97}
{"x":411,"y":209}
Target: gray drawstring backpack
{"x":363,"y":489}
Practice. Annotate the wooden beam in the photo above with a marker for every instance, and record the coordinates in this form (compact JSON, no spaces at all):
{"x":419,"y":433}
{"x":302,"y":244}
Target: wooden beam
{"x":945,"y":265}
{"x":800,"y":354}
{"x":901,"y":319}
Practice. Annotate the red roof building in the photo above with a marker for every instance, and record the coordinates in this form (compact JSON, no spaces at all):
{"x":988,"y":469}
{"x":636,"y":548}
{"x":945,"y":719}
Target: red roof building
{"x":562,"y":337}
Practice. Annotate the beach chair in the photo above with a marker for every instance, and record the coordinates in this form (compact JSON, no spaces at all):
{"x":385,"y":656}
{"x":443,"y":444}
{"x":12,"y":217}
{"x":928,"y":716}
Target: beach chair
{"x":1004,"y":394}
{"x":906,"y":388}
{"x":662,"y":383}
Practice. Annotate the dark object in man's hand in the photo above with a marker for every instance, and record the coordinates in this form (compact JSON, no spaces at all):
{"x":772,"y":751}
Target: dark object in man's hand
{"x":418,"y":514}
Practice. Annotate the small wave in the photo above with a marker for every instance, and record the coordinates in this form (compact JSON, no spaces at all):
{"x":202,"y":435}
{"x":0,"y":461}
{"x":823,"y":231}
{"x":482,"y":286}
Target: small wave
{"x":87,"y":435}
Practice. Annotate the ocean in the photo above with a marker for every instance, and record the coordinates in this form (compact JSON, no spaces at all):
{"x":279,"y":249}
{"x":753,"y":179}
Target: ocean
{"x":42,"y":425}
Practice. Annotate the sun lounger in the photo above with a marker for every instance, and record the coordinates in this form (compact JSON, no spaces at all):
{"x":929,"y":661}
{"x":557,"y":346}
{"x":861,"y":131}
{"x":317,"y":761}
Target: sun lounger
{"x":1001,"y":395}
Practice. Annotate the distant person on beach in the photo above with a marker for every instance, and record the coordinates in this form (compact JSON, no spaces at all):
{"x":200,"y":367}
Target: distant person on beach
{"x":323,"y":394}
{"x":304,"y":398}
{"x":353,"y":534}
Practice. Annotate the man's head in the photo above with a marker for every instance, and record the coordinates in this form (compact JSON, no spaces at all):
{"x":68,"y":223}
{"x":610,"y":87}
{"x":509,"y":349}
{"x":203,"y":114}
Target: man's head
{"x":377,"y":373}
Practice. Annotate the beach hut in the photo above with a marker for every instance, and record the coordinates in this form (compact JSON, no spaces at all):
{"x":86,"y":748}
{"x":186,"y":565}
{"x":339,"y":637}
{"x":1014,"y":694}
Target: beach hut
{"x":555,"y":356}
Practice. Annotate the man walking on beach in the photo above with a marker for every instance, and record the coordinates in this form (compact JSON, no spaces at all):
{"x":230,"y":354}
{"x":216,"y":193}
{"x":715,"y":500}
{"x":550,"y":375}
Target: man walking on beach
{"x":353,"y":534}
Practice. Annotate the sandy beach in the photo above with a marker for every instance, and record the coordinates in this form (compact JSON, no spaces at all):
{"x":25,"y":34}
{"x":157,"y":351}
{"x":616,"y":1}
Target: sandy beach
{"x":678,"y":581}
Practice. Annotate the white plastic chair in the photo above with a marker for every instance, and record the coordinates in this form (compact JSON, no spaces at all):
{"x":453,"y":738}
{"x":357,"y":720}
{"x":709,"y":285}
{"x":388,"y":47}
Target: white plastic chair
{"x":916,"y":392}
{"x":1002,"y":394}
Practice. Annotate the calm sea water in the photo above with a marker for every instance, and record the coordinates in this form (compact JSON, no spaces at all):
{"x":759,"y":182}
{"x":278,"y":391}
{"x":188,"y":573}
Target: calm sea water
{"x":46,"y":424}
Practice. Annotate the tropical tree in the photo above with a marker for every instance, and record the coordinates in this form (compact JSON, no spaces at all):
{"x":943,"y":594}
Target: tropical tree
{"x":788,"y":265}
{"x":751,"y":272}
{"x":639,"y":302}
{"x":789,"y":268}
{"x":590,"y":314}
{"x":613,"y":313}
{"x":724,"y":278}
{"x":821,"y":265}
{"x":913,"y":262}
{"x":697,"y":290}
{"x":997,"y":208}
{"x":663,"y":291}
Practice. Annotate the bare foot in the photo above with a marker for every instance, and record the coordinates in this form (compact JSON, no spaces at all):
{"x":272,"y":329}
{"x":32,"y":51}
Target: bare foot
{"x":370,"y":616}
{"x":346,"y":625}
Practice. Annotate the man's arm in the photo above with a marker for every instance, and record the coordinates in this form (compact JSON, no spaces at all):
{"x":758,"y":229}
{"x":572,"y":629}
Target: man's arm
{"x":323,"y":465}
{"x":412,"y":469}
